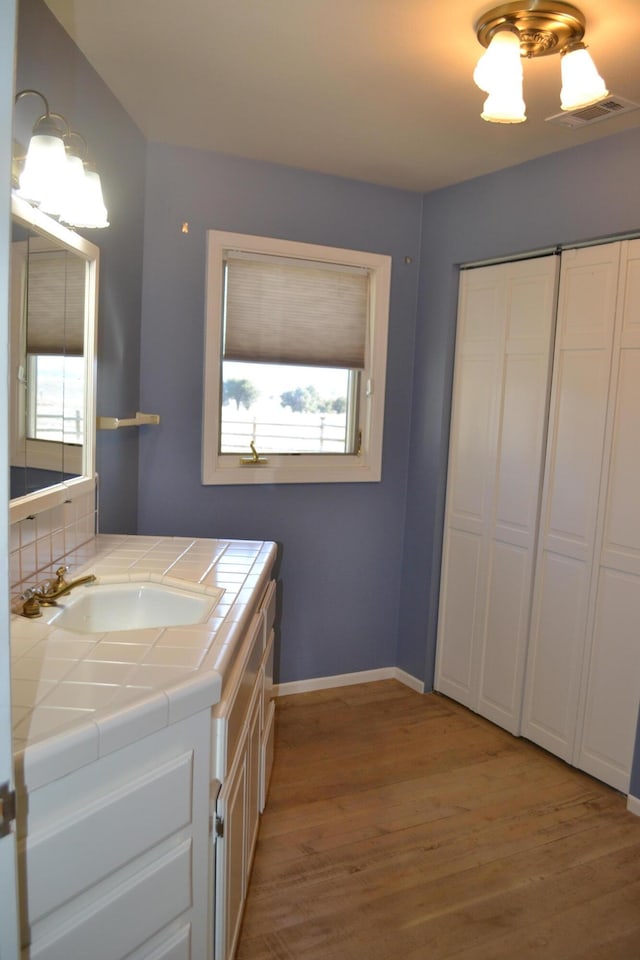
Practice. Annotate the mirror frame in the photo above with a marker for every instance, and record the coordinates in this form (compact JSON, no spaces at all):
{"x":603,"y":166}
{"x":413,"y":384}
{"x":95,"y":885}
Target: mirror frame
{"x":33,"y":503}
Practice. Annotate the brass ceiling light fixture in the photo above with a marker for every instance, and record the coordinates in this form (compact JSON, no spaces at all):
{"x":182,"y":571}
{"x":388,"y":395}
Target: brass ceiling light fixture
{"x":512,"y":32}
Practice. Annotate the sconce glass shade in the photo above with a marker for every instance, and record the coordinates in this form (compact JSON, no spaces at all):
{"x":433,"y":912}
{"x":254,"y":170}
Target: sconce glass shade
{"x":86,"y":208}
{"x":56,"y":175}
{"x":97,"y":216}
{"x":582,"y":85}
{"x":58,"y":198}
{"x":499,"y":73}
{"x":44,"y":165}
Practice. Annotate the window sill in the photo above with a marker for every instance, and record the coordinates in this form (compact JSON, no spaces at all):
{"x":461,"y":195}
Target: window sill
{"x":226,"y":469}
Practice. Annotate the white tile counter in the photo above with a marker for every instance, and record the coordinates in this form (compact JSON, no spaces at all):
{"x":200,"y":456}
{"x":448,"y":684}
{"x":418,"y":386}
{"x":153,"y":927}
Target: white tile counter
{"x":79,"y":697}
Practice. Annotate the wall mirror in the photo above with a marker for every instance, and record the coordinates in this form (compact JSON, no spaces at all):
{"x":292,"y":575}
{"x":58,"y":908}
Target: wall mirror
{"x":54,"y":286}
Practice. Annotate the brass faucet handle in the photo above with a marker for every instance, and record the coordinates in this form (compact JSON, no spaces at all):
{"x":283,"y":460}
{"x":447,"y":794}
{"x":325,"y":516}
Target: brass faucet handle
{"x":60,"y":580}
{"x":31,"y":605}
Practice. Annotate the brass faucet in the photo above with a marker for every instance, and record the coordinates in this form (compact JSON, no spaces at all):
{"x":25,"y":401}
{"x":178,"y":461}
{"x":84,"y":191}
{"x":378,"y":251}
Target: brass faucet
{"x":47,"y":594}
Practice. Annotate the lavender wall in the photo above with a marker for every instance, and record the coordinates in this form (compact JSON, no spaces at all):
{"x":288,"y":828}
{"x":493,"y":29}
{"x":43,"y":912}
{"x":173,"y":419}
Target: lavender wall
{"x":359,"y":562}
{"x":49,"y":61}
{"x":341,"y":544}
{"x":588,"y":192}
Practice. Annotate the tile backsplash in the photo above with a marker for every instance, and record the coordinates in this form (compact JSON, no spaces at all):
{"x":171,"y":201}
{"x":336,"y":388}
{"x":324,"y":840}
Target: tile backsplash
{"x":48,"y":539}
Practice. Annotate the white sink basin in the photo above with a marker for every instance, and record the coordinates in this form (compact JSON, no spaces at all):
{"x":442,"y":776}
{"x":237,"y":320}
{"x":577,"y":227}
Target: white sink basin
{"x":131,"y":605}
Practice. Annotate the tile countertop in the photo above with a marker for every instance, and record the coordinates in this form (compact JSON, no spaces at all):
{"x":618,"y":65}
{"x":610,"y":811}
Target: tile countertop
{"x":77,"y":697}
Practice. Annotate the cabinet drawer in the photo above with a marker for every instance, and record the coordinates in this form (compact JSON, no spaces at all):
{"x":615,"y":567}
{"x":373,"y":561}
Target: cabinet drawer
{"x":113,"y":926}
{"x":106,"y":835}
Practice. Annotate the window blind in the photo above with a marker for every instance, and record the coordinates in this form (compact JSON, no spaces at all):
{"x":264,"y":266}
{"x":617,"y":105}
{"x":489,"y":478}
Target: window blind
{"x":55,"y":303}
{"x":295,"y":312}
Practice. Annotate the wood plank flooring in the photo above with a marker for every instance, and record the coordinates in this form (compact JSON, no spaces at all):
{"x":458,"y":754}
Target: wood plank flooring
{"x":404,"y":827}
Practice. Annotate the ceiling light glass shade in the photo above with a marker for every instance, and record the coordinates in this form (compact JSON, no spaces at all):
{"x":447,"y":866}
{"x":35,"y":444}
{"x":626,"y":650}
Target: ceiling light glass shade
{"x":44,"y":167}
{"x":505,"y":104}
{"x":499,"y":73}
{"x":500,"y":62}
{"x":582,"y":85}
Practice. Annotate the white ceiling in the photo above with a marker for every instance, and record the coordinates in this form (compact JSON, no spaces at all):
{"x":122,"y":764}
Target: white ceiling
{"x":377,"y":90}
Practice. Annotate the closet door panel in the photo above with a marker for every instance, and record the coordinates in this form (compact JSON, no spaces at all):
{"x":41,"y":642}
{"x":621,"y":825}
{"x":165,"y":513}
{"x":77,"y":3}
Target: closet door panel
{"x":480,"y":314}
{"x":470,"y":486}
{"x":555,"y":659}
{"x":497,"y":437}
{"x":513,"y":539}
{"x":631,"y":302}
{"x":572,"y":484}
{"x":566,"y":540}
{"x":611,"y":708}
{"x":576,"y":450}
{"x":612,"y":689}
{"x":518,"y":474}
{"x":505,"y":635}
{"x":622,"y":530}
{"x":461,"y":612}
{"x":588,"y":289}
{"x":472,"y":443}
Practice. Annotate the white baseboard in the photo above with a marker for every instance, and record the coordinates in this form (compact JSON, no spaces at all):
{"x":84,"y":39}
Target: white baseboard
{"x":347,"y":680}
{"x":633,"y":805}
{"x":409,"y":681}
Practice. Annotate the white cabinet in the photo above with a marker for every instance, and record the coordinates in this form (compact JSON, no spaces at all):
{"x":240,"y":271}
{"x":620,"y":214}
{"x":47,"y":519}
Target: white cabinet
{"x":500,"y":395}
{"x":243,"y":732}
{"x":268,"y":724}
{"x":540,"y":605}
{"x":230,"y":857}
{"x":113,"y":856}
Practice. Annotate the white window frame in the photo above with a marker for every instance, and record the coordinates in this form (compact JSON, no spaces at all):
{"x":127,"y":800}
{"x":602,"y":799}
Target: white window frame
{"x":363,"y":466}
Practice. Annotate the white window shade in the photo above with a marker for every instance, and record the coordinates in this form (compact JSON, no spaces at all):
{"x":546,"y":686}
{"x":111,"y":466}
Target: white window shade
{"x":55,"y":304}
{"x":295,"y":312}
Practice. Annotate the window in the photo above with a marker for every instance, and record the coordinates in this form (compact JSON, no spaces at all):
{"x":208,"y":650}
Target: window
{"x":295,"y":358}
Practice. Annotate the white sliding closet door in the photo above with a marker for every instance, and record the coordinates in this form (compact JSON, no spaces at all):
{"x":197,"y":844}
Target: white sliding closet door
{"x":576,"y":440}
{"x":505,"y":322}
{"x":609,"y":707}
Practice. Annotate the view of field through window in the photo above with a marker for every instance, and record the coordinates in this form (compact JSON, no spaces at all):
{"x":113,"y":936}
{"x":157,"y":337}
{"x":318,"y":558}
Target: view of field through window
{"x":284,"y":408}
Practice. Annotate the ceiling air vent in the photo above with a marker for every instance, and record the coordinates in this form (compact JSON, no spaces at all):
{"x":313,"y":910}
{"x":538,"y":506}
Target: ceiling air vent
{"x":585,"y":116}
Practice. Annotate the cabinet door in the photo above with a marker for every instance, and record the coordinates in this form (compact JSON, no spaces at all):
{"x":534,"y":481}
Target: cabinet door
{"x":268,"y":723}
{"x":576,"y":435}
{"x":253,"y":775}
{"x":231,"y":858}
{"x":497,"y":438}
{"x":611,"y":690}
{"x":267,"y":753}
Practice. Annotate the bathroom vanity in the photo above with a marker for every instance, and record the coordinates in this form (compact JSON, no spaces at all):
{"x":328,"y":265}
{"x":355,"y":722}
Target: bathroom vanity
{"x":143,"y":759}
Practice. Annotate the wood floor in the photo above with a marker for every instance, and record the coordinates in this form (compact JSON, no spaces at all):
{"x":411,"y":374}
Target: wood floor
{"x":404,"y":827}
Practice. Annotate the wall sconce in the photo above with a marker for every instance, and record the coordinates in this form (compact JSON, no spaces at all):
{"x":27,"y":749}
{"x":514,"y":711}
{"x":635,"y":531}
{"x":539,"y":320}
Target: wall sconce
{"x":56,"y":175}
{"x":533,"y":28}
